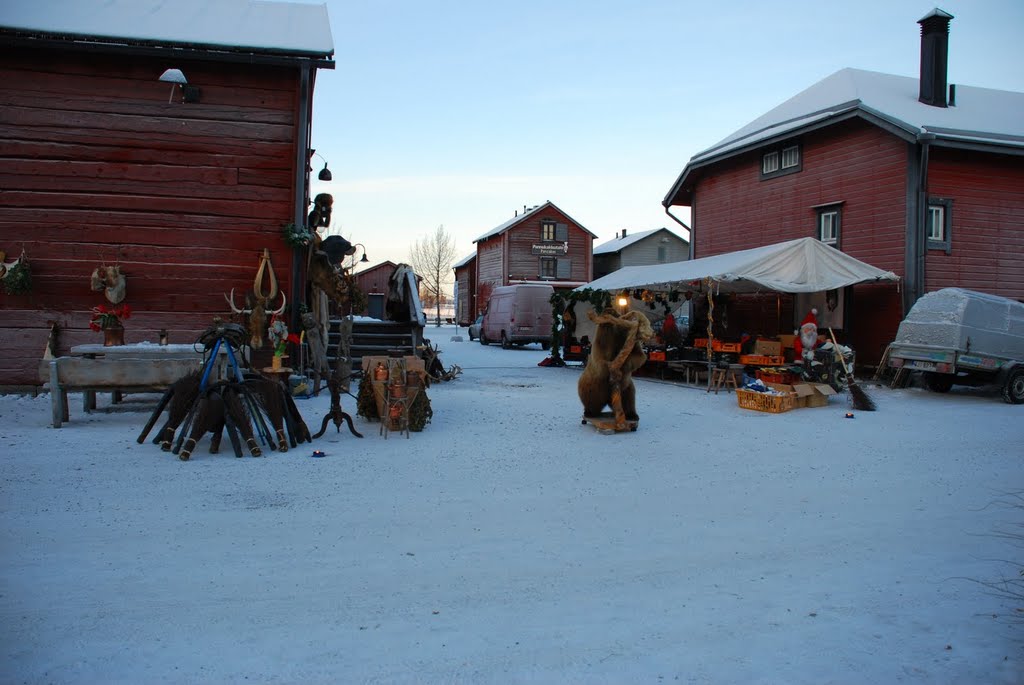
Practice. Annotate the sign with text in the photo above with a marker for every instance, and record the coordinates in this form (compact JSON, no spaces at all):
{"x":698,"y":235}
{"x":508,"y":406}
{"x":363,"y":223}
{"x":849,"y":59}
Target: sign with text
{"x":550,"y":249}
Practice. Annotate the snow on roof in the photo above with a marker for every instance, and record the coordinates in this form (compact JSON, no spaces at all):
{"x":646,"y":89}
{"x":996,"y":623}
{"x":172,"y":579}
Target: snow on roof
{"x":979,"y":115}
{"x":619,"y":243}
{"x":522,"y":217}
{"x":258,"y":25}
{"x":464,"y":261}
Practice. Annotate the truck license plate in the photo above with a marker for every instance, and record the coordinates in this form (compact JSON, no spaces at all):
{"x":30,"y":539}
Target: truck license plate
{"x":920,"y":365}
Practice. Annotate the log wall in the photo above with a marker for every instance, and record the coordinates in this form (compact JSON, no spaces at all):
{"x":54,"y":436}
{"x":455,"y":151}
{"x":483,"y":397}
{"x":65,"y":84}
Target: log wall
{"x":96,"y":166}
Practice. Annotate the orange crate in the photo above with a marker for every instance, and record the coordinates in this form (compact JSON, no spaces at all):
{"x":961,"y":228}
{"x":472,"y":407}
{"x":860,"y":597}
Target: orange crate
{"x":700,"y":342}
{"x":761,"y":360}
{"x":781,"y":377}
{"x":719,"y":346}
{"x":656,"y":356}
{"x":766,"y":402}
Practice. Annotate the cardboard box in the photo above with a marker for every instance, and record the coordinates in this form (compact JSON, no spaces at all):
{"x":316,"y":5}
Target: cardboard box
{"x":787,"y":341}
{"x":808,"y":395}
{"x":768,"y":348}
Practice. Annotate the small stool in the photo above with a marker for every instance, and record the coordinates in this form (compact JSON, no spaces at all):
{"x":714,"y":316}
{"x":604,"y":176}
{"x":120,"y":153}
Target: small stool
{"x":724,"y":375}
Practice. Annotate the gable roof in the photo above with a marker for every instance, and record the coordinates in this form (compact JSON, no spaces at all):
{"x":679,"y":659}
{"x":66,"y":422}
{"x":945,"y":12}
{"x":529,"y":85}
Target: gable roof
{"x":981,"y":118}
{"x":291,"y":28}
{"x":497,"y":230}
{"x":804,"y":265}
{"x":464,"y":261}
{"x":618,"y":244}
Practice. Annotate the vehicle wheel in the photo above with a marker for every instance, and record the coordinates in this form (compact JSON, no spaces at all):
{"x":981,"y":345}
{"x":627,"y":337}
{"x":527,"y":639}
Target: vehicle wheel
{"x":938,"y":382}
{"x":1013,"y":390}
{"x":483,"y":338}
{"x":505,"y":343}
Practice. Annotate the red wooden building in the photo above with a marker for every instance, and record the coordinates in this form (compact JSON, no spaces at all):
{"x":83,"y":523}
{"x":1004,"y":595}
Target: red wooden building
{"x":465,"y":282}
{"x":182,"y":183}
{"x":540,"y":244}
{"x":917,"y":176}
{"x":373,"y":281}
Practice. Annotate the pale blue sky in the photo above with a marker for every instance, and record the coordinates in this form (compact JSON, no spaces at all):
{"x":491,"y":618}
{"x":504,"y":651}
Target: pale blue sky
{"x":458,"y":113}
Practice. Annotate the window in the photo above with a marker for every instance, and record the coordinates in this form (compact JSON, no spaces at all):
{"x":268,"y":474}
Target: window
{"x":662,"y":253}
{"x":829,"y":224}
{"x":790,"y":157}
{"x":781,"y":159}
{"x":548,"y":267}
{"x":551,"y":231}
{"x":553,"y":267}
{"x":938,"y":223}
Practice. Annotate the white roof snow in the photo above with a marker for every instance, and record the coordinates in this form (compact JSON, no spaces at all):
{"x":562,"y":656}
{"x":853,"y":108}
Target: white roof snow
{"x":295,"y":28}
{"x":804,"y":265}
{"x":978,"y":115}
{"x":618,"y":243}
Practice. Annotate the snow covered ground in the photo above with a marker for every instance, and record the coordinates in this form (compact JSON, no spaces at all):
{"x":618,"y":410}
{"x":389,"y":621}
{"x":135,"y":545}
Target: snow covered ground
{"x":507,"y":543}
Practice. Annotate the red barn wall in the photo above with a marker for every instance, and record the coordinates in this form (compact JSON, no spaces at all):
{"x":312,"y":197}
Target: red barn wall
{"x":99,"y":167}
{"x":987,"y":222}
{"x":855,"y":163}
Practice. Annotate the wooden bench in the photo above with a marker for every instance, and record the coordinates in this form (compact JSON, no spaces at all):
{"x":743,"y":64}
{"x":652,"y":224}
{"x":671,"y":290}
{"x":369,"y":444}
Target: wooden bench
{"x":84,"y":374}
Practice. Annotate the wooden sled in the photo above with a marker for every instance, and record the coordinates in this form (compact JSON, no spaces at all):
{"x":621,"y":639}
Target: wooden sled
{"x":606,"y":425}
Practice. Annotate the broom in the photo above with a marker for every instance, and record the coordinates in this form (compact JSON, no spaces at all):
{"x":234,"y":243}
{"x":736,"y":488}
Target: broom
{"x":858,"y":397}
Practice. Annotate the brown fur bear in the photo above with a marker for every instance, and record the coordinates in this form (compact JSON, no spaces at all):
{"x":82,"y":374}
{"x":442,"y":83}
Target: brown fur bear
{"x":615,"y":353}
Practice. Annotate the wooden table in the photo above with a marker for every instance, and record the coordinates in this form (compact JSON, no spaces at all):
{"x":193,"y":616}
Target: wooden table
{"x":157,"y":355}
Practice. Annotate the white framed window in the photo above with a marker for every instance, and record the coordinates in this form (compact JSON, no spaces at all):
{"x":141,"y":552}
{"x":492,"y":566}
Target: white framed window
{"x":829,"y":224}
{"x":547,"y":230}
{"x":781,"y":159}
{"x":790,"y":157}
{"x":939,"y":224}
{"x":936,"y":223}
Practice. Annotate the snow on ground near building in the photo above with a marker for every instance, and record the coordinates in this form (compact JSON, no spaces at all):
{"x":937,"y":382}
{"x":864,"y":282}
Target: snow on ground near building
{"x":507,"y":543}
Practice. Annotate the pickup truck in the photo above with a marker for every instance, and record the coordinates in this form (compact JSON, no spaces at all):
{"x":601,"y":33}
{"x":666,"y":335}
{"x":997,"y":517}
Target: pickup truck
{"x":964,"y":337}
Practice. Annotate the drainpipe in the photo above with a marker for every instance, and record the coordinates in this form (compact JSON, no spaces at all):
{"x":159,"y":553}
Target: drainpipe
{"x":300,"y":198}
{"x":689,"y":230}
{"x":920,"y":248}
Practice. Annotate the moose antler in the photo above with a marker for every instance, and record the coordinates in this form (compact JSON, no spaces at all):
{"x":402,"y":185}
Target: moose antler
{"x":234,"y":308}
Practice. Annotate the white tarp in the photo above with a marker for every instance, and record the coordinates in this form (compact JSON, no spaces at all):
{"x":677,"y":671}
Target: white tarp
{"x":804,"y":265}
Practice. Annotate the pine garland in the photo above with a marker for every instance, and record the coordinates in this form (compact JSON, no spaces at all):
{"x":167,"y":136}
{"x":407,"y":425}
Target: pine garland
{"x":366,"y":402}
{"x":18,"y":280}
{"x":420,"y":412}
{"x":297,"y":236}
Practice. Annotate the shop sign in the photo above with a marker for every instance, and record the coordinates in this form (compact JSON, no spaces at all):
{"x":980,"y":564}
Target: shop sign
{"x":550,"y":249}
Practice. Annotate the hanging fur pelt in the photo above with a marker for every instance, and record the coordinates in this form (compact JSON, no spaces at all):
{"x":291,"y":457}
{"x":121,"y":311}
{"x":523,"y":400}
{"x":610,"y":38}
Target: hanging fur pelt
{"x":317,"y":351}
{"x":111,"y":281}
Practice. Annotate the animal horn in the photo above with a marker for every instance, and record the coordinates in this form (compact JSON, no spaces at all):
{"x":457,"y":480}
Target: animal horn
{"x":235,"y":309}
{"x":284,"y":303}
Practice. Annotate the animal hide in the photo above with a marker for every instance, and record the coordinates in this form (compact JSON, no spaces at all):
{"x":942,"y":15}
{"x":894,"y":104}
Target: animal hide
{"x":257,"y":319}
{"x":111,"y":281}
{"x":317,"y":350}
{"x":327,"y":278}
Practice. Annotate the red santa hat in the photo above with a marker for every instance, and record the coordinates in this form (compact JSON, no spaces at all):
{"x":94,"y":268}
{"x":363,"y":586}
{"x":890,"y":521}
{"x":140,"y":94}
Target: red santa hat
{"x":811,"y":318}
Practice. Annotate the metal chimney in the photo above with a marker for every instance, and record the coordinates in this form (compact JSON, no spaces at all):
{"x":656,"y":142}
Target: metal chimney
{"x":934,"y":57}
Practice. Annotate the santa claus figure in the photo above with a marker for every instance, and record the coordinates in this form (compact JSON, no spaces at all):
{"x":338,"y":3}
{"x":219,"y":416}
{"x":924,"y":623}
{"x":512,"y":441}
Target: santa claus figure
{"x":807,"y":337}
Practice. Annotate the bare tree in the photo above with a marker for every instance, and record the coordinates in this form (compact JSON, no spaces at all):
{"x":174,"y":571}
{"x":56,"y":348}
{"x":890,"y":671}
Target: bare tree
{"x":431,"y":258}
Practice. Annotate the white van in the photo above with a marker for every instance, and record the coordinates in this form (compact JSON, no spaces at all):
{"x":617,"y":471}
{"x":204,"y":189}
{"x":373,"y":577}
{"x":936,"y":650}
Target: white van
{"x":517,"y":315}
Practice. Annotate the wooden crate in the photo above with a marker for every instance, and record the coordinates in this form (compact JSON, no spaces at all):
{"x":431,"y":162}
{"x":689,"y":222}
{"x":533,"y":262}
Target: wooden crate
{"x":766,"y":402}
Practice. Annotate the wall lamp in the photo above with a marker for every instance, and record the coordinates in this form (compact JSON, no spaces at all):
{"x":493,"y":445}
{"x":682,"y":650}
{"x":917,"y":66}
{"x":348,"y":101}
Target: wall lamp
{"x":325,"y":173}
{"x":177,"y":79}
{"x":364,"y":260}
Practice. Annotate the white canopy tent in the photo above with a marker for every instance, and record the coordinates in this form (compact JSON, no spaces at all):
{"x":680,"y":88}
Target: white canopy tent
{"x":804,"y":265}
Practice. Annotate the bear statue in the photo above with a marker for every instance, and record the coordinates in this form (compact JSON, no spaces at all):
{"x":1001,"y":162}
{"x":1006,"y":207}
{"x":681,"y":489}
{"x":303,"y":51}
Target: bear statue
{"x":615,"y":353}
